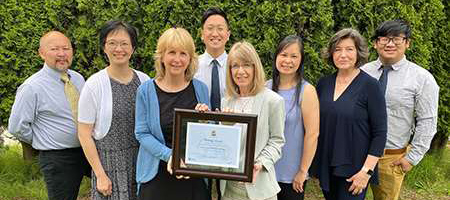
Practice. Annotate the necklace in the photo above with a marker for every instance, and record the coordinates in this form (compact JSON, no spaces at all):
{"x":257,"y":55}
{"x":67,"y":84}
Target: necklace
{"x":243,"y":104}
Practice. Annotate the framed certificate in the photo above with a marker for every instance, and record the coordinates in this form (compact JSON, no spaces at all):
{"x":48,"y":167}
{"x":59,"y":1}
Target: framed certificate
{"x":214,"y":144}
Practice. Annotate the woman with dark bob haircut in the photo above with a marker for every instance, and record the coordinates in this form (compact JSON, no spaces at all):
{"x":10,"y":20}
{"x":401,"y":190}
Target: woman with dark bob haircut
{"x":106,"y":116}
{"x":301,"y":128}
{"x":353,"y":122}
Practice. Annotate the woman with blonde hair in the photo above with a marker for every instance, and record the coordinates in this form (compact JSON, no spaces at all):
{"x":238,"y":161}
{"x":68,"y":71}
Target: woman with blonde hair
{"x":246,"y":93}
{"x":173,"y":87}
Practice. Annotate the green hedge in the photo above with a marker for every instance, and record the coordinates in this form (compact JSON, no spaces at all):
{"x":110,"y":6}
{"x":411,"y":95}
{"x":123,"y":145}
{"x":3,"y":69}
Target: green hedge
{"x":262,"y":23}
{"x":429,"y":47}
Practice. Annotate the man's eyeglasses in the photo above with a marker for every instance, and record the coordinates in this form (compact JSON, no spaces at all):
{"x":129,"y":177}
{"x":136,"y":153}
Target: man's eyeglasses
{"x":396,"y":40}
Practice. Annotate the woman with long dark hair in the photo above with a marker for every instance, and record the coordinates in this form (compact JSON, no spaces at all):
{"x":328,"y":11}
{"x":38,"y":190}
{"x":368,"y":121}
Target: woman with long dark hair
{"x":301,"y":127}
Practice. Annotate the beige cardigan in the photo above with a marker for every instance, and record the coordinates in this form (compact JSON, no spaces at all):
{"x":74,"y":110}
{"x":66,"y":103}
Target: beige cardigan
{"x":269,"y":107}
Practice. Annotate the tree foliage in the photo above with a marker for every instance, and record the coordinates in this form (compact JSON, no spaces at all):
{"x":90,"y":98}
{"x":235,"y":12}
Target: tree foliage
{"x":430,"y":40}
{"x":262,"y":23}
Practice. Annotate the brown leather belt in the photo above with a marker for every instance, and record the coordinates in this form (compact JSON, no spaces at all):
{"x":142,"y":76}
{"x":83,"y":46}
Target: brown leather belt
{"x":394,"y":151}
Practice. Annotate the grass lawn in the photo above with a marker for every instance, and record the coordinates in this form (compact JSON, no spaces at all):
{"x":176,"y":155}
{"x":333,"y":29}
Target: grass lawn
{"x":430,"y":180}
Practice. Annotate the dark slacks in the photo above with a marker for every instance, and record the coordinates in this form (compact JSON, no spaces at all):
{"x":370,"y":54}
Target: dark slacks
{"x":167,"y":187}
{"x":63,"y":171}
{"x":288,"y":193}
{"x":214,"y":188}
{"x":339,"y":190}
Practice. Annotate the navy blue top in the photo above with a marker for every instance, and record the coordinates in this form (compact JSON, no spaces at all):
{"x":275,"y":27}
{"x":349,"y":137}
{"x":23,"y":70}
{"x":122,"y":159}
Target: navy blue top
{"x":351,"y":127}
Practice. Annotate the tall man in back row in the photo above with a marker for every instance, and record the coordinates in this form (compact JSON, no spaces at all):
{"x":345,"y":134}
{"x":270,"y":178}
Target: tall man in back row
{"x":212,"y":63}
{"x":412,"y":104}
{"x":44,"y":115}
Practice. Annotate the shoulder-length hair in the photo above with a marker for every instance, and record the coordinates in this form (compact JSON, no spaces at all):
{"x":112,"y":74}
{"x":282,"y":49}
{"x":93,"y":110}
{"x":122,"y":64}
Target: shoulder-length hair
{"x":360,"y":43}
{"x":245,"y":53}
{"x":175,"y":38}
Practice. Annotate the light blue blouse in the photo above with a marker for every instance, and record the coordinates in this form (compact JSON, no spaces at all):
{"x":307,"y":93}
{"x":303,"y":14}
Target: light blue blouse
{"x":289,"y":164}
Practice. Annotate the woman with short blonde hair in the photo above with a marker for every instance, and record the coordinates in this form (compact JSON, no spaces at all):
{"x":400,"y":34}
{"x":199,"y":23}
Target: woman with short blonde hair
{"x":176,"y":38}
{"x":246,"y":93}
{"x":173,"y":87}
{"x":245,"y":52}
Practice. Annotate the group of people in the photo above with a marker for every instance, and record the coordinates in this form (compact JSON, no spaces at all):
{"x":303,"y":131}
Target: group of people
{"x":365,"y":123}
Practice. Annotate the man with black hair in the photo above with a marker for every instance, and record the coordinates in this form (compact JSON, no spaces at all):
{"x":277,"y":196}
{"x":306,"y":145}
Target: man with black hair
{"x":212,"y":63}
{"x":412,"y":103}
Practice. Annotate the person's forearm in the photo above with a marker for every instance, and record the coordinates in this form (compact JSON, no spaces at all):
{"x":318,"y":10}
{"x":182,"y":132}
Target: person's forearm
{"x":424,"y":132}
{"x":90,"y":150}
{"x":371,"y":162}
{"x":309,"y":150}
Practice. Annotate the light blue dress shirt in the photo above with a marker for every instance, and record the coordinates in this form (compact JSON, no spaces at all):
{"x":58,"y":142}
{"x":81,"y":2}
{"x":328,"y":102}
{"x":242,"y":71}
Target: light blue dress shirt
{"x":41,"y":113}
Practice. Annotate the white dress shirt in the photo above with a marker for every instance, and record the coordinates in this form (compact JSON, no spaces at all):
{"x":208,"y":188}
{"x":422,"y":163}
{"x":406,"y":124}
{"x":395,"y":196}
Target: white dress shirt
{"x":205,"y":68}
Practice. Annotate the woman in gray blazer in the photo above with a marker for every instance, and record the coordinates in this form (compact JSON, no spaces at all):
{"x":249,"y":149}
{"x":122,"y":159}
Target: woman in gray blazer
{"x":245,"y":93}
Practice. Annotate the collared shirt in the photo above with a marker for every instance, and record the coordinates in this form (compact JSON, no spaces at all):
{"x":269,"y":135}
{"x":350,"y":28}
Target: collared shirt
{"x":41,"y":113}
{"x":205,"y":68}
{"x":412,"y":105}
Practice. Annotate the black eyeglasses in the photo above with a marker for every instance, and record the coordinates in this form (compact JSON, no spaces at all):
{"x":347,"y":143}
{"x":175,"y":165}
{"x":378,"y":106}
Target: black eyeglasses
{"x":396,"y":40}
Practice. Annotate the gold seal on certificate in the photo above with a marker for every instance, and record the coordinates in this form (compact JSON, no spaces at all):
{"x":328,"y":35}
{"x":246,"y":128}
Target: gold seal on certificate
{"x":214,"y":144}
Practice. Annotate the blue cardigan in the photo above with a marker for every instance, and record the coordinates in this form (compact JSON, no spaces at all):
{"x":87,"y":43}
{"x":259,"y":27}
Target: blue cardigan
{"x":148,"y":129}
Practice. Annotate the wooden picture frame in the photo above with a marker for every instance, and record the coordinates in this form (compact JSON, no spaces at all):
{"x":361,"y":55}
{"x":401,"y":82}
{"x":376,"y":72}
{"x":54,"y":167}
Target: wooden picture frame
{"x":230,"y":155}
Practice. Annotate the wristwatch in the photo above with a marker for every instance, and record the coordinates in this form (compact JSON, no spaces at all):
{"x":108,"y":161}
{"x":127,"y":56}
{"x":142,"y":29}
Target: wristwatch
{"x":367,"y":170}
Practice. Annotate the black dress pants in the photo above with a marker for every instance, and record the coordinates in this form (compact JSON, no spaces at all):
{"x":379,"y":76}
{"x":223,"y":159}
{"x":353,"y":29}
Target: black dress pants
{"x":167,"y":187}
{"x":63,"y":171}
{"x":339,"y":190}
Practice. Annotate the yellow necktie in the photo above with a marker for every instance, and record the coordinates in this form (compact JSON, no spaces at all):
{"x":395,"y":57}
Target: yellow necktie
{"x":72,"y":95}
